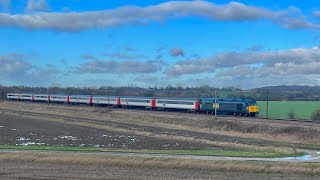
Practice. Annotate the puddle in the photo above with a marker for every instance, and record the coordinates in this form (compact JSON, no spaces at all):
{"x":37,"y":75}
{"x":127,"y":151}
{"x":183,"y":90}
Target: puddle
{"x":1,"y":126}
{"x":301,"y":158}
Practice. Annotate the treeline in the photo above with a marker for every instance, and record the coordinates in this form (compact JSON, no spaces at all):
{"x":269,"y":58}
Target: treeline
{"x":169,"y":91}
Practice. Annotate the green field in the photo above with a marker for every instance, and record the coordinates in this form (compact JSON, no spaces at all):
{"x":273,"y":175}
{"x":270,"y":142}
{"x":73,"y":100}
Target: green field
{"x":280,"y":109}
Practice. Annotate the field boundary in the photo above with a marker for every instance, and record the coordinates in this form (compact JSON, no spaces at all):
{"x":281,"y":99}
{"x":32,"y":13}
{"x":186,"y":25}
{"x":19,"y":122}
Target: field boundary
{"x":200,"y":154}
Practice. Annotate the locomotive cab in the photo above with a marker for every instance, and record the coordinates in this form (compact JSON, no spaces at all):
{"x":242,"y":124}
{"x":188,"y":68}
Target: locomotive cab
{"x":253,"y":108}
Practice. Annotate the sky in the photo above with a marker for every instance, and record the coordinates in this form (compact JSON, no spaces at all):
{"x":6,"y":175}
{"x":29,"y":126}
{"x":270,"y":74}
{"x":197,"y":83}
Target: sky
{"x":244,"y":44}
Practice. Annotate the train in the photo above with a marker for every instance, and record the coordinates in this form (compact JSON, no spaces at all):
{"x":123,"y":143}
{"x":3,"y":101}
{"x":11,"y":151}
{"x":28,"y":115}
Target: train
{"x":237,"y":107}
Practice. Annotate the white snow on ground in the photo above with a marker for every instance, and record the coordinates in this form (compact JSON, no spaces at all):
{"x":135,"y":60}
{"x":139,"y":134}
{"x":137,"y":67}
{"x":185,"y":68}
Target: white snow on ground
{"x":23,"y":139}
{"x":30,"y":144}
{"x":73,"y":138}
{"x":26,"y":144}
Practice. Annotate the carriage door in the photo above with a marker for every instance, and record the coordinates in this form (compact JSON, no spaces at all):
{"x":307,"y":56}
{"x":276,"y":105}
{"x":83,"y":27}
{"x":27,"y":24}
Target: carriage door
{"x":239,"y":107}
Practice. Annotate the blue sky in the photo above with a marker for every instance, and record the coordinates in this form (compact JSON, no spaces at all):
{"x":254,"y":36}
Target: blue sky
{"x":243,"y":44}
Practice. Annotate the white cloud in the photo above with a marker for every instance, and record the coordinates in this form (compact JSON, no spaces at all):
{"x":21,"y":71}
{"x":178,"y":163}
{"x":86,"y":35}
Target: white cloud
{"x":251,"y":69}
{"x":297,"y":57}
{"x":37,"y":5}
{"x":15,"y":69}
{"x":78,"y":21}
{"x":95,"y":66}
{"x":176,"y":52}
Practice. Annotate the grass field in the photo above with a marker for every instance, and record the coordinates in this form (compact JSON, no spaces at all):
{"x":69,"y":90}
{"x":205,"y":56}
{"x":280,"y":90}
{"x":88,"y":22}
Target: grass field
{"x":229,"y":153}
{"x":280,"y":109}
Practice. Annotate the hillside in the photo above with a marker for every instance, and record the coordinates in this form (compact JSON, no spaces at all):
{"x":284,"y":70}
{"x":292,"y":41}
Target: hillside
{"x":293,"y":92}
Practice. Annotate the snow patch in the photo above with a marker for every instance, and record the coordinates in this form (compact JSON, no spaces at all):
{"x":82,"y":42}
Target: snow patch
{"x":23,"y":139}
{"x":69,"y":138}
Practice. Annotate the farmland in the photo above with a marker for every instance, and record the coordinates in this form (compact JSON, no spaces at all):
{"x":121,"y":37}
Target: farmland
{"x":280,"y":109}
{"x":36,"y":141}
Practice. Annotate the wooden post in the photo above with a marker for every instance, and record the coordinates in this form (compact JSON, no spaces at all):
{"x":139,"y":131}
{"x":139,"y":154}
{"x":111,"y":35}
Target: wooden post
{"x":215,"y":103}
{"x":267,"y":112}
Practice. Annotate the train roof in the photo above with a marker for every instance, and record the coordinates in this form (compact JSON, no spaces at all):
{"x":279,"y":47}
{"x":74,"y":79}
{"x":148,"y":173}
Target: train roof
{"x":185,"y":99}
{"x":59,"y":94}
{"x":137,"y":97}
{"x":80,"y":95}
{"x":228,"y":100}
{"x":101,"y":96}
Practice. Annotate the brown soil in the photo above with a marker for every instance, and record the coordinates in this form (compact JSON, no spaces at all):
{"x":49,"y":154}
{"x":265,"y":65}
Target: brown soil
{"x":62,"y":125}
{"x":19,"y":130}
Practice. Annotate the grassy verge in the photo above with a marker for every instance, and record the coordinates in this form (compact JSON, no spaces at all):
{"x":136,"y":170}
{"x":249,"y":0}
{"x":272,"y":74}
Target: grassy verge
{"x":280,"y":109}
{"x":227,"y":153}
{"x":88,"y":160}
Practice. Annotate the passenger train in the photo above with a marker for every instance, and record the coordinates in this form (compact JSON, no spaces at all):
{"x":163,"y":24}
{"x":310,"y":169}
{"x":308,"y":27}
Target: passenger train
{"x":240,"y":107}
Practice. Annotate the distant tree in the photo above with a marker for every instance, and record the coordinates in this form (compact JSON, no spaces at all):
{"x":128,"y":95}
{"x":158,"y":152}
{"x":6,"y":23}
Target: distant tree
{"x":291,"y":115}
{"x":316,"y":115}
{"x":148,"y":93}
{"x":169,"y":87}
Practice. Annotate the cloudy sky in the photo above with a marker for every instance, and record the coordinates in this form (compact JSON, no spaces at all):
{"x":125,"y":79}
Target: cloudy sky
{"x":221,"y":43}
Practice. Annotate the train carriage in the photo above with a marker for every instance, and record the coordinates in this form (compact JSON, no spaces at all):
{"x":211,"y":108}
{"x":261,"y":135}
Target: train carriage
{"x":80,"y":99}
{"x":178,"y":103}
{"x":146,"y":102}
{"x":59,"y":98}
{"x":13,"y":96}
{"x":106,"y":100}
{"x":26,"y":97}
{"x":41,"y":97}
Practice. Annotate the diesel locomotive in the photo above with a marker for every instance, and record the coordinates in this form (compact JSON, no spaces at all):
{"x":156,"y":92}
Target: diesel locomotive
{"x":246,"y":107}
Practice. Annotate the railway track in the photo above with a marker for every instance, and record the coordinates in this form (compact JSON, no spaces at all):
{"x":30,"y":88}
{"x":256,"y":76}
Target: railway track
{"x":298,"y":122}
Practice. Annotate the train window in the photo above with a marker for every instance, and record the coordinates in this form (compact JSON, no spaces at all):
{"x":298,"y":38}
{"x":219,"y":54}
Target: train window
{"x":136,"y":100}
{"x":176,"y":102}
{"x":41,"y":96}
{"x":57,"y":97}
{"x":227,"y":105}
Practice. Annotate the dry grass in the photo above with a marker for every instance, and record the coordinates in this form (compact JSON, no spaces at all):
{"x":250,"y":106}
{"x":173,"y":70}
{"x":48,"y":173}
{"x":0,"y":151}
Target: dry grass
{"x":100,"y":159}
